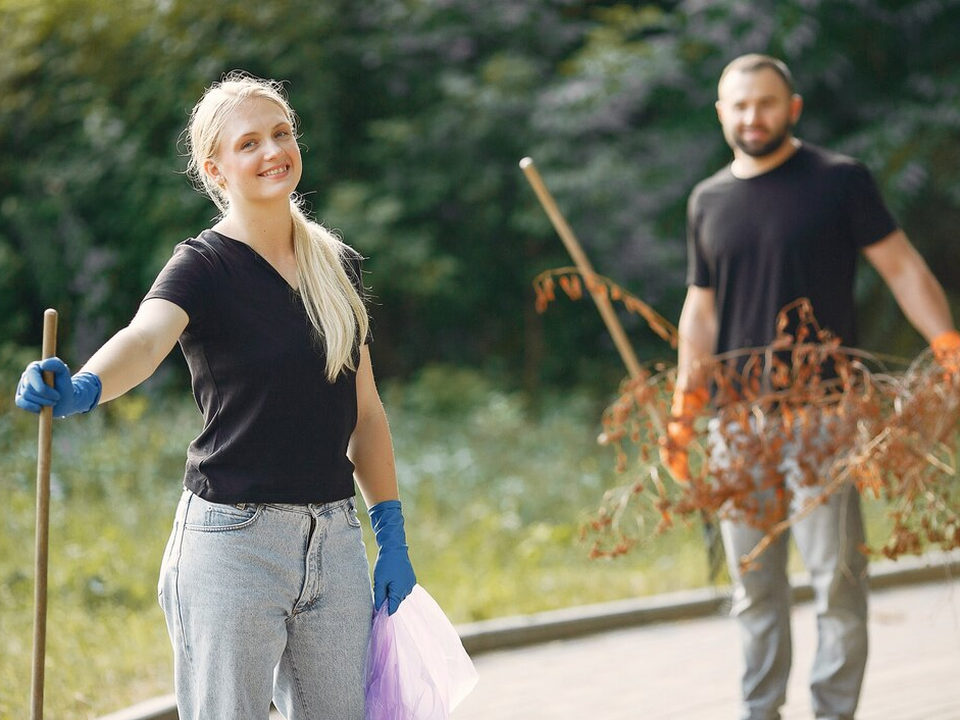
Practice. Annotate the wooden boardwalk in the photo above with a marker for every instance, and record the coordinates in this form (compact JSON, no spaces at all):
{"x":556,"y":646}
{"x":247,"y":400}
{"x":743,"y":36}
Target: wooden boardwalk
{"x":690,"y":669}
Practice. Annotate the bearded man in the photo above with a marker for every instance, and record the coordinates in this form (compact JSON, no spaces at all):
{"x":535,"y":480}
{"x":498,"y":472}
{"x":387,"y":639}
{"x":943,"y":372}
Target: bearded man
{"x":785,"y":220}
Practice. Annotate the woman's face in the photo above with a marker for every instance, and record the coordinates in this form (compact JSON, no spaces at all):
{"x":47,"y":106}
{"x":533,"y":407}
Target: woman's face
{"x":258,"y":160}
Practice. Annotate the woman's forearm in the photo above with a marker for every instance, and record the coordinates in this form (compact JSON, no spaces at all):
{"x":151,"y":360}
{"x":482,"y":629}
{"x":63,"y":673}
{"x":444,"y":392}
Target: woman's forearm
{"x":371,"y":451}
{"x":134,"y":353}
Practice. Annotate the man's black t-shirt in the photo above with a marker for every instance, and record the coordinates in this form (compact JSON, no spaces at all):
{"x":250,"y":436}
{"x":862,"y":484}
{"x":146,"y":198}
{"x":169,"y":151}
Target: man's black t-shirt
{"x":795,"y":231}
{"x":274,"y":428}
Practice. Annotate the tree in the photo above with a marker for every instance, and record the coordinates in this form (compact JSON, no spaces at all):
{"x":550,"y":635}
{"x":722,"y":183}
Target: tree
{"x":414,"y":116}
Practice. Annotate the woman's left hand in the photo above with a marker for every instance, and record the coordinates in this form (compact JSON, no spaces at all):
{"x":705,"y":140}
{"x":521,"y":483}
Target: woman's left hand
{"x":393,"y":576}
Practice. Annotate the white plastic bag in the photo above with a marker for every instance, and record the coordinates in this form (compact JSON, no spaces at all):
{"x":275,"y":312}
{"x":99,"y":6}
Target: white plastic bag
{"x":417,"y":668}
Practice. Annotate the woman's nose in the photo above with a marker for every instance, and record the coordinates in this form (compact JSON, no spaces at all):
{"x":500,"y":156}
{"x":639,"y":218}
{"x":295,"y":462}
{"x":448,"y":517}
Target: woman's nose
{"x":272,"y":149}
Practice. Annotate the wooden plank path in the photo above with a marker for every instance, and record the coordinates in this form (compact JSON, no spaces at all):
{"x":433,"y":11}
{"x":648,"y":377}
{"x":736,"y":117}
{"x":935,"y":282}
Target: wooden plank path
{"x":690,"y":669}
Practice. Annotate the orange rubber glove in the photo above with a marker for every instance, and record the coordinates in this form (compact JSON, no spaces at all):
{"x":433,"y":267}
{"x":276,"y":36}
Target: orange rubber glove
{"x":673,"y":448}
{"x":946,"y":350}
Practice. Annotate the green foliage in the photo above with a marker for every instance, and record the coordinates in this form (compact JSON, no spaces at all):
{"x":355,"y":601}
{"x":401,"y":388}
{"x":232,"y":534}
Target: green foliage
{"x":114,"y":484}
{"x":494,"y":492}
{"x":415,"y":115}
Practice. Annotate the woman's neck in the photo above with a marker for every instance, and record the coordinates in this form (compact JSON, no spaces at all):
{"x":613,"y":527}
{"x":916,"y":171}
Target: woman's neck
{"x":269,"y":233}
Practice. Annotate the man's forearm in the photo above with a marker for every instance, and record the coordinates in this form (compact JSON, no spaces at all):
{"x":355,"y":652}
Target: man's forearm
{"x":698,"y":336}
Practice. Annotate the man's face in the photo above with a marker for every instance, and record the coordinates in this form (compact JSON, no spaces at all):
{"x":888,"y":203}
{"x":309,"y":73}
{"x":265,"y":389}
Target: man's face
{"x":757,"y":111}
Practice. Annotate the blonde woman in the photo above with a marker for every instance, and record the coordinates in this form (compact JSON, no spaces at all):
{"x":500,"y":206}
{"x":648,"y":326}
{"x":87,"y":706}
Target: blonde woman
{"x":264,"y":581}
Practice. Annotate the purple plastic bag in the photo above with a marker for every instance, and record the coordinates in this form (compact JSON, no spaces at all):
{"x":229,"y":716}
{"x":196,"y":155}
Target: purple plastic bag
{"x":417,"y":668}
{"x":383,"y":673}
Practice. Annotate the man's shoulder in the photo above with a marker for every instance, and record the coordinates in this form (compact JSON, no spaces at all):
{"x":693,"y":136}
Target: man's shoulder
{"x":720,"y":181}
{"x":818,"y":157}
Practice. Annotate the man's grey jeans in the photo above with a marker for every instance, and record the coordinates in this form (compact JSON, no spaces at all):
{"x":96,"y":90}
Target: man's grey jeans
{"x":829,"y":540}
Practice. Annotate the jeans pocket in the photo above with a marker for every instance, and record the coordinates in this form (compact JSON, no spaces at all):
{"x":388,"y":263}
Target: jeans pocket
{"x":205,"y":516}
{"x":350,"y":510}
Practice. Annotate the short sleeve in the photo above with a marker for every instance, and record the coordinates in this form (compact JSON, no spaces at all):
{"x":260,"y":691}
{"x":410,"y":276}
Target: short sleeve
{"x":869,"y":218}
{"x":698,"y":269}
{"x":186,"y":280}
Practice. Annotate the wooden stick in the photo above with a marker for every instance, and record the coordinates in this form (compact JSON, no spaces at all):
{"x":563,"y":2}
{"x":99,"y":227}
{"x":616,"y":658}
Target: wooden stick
{"x":43,"y":525}
{"x":583,"y":265}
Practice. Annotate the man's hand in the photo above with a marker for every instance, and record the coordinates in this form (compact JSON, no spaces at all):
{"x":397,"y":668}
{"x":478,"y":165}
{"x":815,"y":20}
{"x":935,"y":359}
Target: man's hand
{"x":673,"y":448}
{"x":946,"y":350}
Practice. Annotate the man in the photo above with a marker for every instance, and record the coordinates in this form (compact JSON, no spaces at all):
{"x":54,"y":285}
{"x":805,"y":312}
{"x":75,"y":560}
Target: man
{"x":787,"y":220}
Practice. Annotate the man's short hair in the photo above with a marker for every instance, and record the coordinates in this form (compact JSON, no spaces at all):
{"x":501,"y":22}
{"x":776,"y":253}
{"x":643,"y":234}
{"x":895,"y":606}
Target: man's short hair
{"x":754,"y":62}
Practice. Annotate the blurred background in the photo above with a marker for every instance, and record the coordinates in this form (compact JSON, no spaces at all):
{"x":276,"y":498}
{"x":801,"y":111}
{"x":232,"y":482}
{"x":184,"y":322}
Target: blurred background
{"x":414,"y":115}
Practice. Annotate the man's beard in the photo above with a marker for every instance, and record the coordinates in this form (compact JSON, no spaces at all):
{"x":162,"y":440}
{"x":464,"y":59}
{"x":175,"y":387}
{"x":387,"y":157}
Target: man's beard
{"x":767,"y":148}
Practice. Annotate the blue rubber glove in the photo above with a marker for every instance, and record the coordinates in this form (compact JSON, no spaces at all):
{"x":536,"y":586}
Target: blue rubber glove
{"x":393,"y":577}
{"x":69,"y":395}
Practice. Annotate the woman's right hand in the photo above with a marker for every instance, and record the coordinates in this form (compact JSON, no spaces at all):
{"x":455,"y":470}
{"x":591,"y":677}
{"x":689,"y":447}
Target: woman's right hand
{"x":69,"y":395}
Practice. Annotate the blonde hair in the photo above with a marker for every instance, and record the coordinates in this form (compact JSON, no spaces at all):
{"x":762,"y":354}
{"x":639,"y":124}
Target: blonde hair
{"x":334,"y":306}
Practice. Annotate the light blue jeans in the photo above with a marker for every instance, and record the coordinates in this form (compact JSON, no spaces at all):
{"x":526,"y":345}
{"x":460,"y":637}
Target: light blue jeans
{"x":267,"y":601}
{"x":829,"y":541}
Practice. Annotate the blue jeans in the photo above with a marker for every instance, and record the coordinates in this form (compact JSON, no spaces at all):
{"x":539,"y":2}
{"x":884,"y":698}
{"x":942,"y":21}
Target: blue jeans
{"x":829,"y":540}
{"x":267,"y":601}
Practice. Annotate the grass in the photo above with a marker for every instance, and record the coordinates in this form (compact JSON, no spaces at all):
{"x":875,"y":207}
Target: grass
{"x":493,"y":492}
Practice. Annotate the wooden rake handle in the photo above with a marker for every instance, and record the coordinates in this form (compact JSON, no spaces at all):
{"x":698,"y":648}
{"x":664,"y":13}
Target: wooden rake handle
{"x":583,"y":265}
{"x":43,"y":525}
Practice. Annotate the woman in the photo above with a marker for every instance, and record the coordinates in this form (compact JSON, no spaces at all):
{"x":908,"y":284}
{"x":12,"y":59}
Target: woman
{"x":264,"y":582}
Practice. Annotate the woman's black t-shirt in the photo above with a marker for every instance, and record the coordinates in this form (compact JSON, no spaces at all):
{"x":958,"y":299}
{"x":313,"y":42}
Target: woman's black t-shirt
{"x":275,"y":429}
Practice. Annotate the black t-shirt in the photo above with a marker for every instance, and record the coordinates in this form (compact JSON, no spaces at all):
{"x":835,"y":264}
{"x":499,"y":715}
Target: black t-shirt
{"x":795,"y":231}
{"x":274,"y":428}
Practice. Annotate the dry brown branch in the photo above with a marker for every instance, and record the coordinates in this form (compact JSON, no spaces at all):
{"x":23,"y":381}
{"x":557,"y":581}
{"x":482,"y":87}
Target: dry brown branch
{"x":569,"y":279}
{"x":890,"y":433}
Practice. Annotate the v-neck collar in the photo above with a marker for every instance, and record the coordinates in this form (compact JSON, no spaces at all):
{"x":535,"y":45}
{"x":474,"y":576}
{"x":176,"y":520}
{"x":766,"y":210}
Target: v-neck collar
{"x":260,"y":258}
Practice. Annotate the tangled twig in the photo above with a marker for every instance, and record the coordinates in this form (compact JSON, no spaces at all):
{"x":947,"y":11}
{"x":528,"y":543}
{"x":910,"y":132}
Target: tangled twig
{"x":802,"y":414}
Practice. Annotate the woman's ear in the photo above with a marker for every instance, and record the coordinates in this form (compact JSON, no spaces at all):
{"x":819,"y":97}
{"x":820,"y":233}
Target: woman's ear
{"x":213,"y":172}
